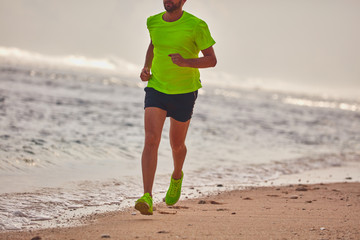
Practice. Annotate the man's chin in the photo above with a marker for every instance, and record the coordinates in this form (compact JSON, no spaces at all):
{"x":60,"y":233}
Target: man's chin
{"x":171,"y":7}
{"x":168,"y":6}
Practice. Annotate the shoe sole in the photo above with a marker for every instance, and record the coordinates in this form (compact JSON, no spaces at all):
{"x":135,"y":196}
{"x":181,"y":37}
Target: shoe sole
{"x":171,"y":204}
{"x":143,"y":208}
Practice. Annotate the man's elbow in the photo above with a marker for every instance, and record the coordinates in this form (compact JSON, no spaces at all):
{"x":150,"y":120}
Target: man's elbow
{"x":213,"y":62}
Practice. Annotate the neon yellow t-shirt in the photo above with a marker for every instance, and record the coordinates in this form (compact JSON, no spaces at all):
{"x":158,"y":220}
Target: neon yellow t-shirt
{"x":186,"y":36}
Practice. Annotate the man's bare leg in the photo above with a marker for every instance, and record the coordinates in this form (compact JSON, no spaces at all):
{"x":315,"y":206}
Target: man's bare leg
{"x":154,"y":121}
{"x":178,"y":131}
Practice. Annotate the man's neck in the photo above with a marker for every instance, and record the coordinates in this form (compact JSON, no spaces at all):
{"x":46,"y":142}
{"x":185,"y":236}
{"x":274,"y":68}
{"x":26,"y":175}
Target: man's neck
{"x":173,"y":16}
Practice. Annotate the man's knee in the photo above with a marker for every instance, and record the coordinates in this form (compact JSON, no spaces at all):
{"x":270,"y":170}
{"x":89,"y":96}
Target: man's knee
{"x":152,"y":140}
{"x":178,"y":146}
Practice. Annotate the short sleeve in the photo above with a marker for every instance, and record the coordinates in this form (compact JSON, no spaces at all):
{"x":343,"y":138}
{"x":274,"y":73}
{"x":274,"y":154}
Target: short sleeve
{"x":203,"y":38}
{"x":148,"y":22}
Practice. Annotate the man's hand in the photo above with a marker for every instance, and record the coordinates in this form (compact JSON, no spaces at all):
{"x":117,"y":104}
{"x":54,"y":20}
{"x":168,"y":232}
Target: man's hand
{"x":208,"y":60}
{"x":145,"y":74}
{"x":178,"y":60}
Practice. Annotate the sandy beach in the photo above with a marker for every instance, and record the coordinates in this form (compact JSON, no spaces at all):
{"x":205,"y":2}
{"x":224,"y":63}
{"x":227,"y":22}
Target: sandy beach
{"x":297,"y":211}
{"x":71,"y":142}
{"x":273,"y":147}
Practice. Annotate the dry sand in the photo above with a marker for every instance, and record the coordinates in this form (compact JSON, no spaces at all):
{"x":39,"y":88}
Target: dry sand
{"x":318,"y":211}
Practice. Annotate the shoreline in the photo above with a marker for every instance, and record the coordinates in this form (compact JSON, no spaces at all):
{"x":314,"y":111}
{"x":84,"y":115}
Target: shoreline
{"x":349,"y":171}
{"x":337,"y":177}
{"x":301,"y":211}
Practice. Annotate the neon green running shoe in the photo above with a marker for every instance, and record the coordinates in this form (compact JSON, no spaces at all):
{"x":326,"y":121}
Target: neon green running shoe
{"x":174,"y":192}
{"x":145,"y":204}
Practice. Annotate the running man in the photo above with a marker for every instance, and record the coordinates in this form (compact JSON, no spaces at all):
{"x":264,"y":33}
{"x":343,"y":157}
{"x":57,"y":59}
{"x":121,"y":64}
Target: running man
{"x":177,"y":37}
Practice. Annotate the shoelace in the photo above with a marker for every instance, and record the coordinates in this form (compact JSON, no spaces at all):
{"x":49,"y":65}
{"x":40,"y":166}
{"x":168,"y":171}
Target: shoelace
{"x":148,"y":198}
{"x":174,"y":188}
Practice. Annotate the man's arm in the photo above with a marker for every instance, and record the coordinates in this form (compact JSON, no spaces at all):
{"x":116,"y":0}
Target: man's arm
{"x":208,"y":60}
{"x":145,"y":72}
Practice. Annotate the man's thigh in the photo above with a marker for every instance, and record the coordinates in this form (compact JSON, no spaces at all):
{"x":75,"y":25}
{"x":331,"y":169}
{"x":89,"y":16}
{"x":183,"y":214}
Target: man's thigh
{"x":178,"y":131}
{"x":154,"y":119}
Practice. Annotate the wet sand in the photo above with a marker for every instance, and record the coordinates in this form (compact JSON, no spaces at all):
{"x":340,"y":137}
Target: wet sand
{"x":298,"y":211}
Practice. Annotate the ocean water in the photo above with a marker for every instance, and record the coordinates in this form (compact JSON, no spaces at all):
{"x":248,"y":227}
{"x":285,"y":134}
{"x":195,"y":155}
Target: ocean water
{"x":71,"y":137}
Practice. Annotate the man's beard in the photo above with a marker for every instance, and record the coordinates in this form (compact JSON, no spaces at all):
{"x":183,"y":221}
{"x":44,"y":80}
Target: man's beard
{"x":172,"y":6}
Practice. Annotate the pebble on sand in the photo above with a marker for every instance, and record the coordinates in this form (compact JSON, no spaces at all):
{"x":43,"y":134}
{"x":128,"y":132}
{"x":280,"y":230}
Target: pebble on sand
{"x":301,"y":189}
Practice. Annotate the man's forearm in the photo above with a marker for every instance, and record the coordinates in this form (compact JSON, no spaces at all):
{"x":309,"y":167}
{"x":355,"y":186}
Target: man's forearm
{"x":202,"y":62}
{"x":145,"y":72}
{"x":149,"y":56}
{"x":208,"y":60}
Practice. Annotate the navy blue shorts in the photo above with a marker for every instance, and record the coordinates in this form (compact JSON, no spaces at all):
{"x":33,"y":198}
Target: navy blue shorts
{"x":178,"y":106}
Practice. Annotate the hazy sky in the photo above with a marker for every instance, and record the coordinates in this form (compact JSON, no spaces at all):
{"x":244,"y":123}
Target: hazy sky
{"x":304,"y":42}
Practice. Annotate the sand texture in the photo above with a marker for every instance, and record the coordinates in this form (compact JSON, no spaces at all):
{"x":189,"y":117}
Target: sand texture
{"x":319,"y":211}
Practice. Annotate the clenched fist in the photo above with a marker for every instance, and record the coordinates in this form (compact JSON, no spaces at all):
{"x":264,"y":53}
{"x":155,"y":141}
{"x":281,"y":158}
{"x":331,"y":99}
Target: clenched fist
{"x":178,"y":60}
{"x":145,"y":74}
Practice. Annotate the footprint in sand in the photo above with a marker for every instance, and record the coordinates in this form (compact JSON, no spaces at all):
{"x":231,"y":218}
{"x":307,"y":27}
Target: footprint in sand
{"x":172,"y":212}
{"x":178,"y":207}
{"x":272,"y":195}
{"x":222,"y":209}
{"x":247,"y":198}
{"x":211,"y":202}
{"x":167,"y":213}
